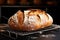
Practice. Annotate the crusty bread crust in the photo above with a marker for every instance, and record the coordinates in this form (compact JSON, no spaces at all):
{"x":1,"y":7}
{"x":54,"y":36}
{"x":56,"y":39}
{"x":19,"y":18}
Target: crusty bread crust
{"x":30,"y":20}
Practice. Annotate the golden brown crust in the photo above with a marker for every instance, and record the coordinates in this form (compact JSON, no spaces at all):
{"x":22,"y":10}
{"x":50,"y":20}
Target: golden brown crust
{"x":20,"y":19}
{"x":13,"y":25}
{"x":42,"y":20}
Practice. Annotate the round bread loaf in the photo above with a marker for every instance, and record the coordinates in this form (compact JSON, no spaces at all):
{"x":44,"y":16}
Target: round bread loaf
{"x":30,"y":20}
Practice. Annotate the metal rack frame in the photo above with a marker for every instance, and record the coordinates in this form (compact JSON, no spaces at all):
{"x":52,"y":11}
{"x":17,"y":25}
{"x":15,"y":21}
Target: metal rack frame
{"x":22,"y":34}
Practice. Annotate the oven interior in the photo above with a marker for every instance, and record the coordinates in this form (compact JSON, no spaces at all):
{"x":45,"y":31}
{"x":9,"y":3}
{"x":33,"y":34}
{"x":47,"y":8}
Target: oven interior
{"x":7,"y":12}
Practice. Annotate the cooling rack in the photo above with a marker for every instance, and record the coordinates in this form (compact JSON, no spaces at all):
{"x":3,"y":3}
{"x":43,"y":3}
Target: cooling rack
{"x":14,"y":34}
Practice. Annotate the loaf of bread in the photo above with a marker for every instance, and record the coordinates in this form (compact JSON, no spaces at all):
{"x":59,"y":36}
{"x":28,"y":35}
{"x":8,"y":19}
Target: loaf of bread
{"x":30,"y":20}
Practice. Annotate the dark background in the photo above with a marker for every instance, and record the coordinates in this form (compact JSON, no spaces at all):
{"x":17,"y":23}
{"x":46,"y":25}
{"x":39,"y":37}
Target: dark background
{"x":7,"y":12}
{"x":50,"y":6}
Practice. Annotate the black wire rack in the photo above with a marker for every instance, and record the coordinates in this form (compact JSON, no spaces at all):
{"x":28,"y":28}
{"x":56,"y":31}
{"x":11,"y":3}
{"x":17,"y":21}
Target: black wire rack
{"x":14,"y":34}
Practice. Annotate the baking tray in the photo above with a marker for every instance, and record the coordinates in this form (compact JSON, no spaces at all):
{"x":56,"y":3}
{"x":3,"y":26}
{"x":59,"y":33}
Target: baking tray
{"x":40,"y":31}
